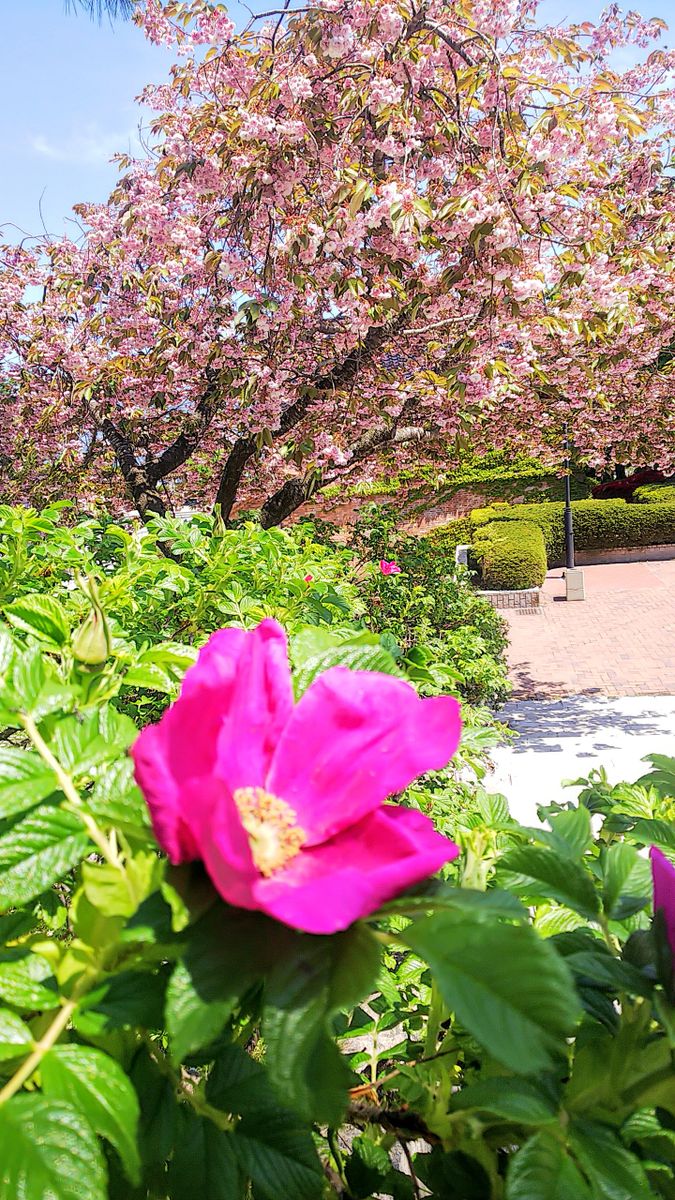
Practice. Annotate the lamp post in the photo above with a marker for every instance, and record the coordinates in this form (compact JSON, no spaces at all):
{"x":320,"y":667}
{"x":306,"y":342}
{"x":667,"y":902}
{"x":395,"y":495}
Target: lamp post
{"x":569,"y":525}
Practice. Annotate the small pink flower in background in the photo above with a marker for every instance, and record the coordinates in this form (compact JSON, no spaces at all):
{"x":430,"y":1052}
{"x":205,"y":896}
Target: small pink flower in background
{"x":389,"y":568}
{"x":308,"y":578}
{"x":663,"y":875}
{"x":284,"y":802}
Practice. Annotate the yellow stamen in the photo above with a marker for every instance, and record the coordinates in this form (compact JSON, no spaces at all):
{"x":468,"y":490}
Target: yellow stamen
{"x":270,"y":823}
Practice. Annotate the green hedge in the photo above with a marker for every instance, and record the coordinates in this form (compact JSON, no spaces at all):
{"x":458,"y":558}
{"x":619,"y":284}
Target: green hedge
{"x":598,"y":524}
{"x":655,"y":493}
{"x":510,"y":555}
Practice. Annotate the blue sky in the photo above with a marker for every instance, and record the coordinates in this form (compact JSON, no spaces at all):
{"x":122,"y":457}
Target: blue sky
{"x":67,"y":88}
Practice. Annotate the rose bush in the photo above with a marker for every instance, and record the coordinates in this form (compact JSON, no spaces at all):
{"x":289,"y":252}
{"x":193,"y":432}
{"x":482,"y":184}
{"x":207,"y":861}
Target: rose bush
{"x":500,"y":1030}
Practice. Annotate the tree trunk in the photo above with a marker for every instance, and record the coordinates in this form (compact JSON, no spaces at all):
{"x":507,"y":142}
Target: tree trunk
{"x":141,"y":489}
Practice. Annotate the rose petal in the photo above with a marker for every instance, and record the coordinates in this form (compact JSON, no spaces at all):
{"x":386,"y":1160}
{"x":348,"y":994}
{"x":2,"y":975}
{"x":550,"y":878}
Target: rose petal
{"x":223,"y":843}
{"x":354,"y":739}
{"x":260,"y":705}
{"x":663,"y":874}
{"x":329,"y":887}
{"x":233,"y":704}
{"x":154,"y":777}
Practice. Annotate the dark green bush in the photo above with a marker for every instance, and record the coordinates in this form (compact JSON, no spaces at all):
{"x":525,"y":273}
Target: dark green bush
{"x":510,"y":554}
{"x":655,"y":493}
{"x":598,"y":524}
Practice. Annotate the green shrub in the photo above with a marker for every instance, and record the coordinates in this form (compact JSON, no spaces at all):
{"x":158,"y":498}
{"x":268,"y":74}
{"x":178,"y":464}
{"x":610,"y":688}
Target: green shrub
{"x":511,"y":555}
{"x":598,"y":524}
{"x":655,"y":493}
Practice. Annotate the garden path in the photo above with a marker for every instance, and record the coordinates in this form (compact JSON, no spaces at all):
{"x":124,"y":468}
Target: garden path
{"x":619,"y":641}
{"x":565,"y":739}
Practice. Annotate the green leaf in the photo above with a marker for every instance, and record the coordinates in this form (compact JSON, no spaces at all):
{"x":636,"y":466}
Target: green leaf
{"x":95,"y":1085}
{"x":239,"y":1084}
{"x":361,"y":653}
{"x":626,"y":877}
{"x":150,"y":675}
{"x":438,"y":895}
{"x":541,"y":1170}
{"x":228,"y":950}
{"x":547,"y":875}
{"x":654,"y":833}
{"x":116,"y":800}
{"x":572,"y":831}
{"x":367,"y":1167}
{"x":507,"y":986}
{"x":42,"y":616}
{"x":512,"y":1100}
{"x":37,"y":851}
{"x":193,"y":1020}
{"x":15,"y":1036}
{"x":26,"y":979}
{"x":28,"y":678}
{"x":278,"y":1155}
{"x":48,"y":1152}
{"x":24,"y":780}
{"x":614,"y":1172}
{"x":318,"y":977}
{"x":204,"y":1162}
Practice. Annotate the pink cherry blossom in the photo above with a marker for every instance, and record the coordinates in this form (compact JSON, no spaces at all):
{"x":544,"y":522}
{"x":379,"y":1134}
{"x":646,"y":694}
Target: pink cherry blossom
{"x":389,"y":568}
{"x":284,"y":802}
{"x":663,"y":875}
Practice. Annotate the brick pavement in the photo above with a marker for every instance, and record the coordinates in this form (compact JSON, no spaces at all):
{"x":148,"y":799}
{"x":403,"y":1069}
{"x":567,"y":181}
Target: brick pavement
{"x":619,"y":641}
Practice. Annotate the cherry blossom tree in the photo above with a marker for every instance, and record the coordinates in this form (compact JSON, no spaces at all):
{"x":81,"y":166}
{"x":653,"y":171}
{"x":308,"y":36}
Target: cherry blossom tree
{"x":360,"y":230}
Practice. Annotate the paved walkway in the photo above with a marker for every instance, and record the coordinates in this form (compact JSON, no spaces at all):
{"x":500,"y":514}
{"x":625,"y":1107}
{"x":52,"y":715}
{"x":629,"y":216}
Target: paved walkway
{"x":565,"y":739}
{"x":619,"y":641}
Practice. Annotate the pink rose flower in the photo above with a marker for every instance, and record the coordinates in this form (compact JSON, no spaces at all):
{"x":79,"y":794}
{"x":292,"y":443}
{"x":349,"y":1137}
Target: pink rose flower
{"x":283,"y":802}
{"x":389,"y":568}
{"x":308,"y":578}
{"x":663,"y":875}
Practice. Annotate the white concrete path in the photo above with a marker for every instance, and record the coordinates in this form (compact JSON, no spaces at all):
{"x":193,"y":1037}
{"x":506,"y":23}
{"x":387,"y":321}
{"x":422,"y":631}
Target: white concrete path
{"x":564,"y":739}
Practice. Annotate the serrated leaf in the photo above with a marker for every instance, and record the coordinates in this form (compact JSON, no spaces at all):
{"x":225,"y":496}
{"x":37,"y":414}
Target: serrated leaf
{"x":438,"y":895}
{"x":115,"y":799}
{"x":95,"y":1085}
{"x":614,"y":1172}
{"x":317,"y":978}
{"x":48,"y":1152}
{"x":362,"y":653}
{"x":40,"y":615}
{"x":25,"y":780}
{"x":26,"y":979}
{"x":278,"y":1155}
{"x":551,"y":877}
{"x":204,"y":1162}
{"x":541,"y":1169}
{"x":28,"y":677}
{"x":37,"y":851}
{"x":15,"y":1036}
{"x":150,"y":675}
{"x":623,"y":869}
{"x":507,"y":986}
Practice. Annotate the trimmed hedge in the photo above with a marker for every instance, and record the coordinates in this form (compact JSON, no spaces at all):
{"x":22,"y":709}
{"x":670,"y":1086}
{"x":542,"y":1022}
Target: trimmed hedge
{"x":655,"y":493}
{"x":511,"y":554}
{"x":598,"y":524}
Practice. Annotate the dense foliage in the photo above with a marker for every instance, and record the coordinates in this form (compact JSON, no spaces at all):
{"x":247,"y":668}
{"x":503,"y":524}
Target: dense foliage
{"x":598,"y":524}
{"x":510,"y":554}
{"x":446,"y":631}
{"x":504,"y":1033}
{"x":655,"y":493}
{"x":360,"y":227}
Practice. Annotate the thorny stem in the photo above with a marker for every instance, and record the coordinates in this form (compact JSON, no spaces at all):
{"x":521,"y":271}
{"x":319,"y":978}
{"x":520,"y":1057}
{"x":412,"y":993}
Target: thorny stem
{"x":70,"y":792}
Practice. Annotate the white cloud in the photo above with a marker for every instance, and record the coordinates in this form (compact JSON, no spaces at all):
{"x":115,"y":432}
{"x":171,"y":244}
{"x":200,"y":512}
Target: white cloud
{"x":89,"y":146}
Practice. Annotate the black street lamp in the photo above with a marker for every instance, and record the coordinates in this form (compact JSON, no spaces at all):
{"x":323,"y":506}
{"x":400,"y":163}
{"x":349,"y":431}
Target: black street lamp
{"x":569,"y":526}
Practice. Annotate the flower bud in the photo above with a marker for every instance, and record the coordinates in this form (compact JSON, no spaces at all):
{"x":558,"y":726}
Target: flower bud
{"x":91,"y":643}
